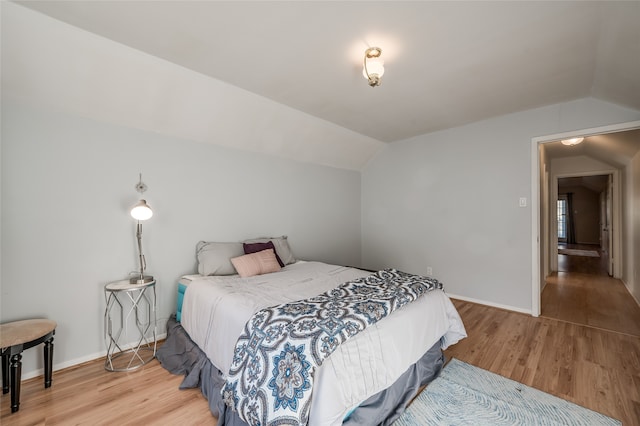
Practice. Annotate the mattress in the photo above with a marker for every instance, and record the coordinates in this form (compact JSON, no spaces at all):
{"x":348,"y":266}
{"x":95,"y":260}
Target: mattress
{"x":182,"y":288}
{"x":216,"y":308}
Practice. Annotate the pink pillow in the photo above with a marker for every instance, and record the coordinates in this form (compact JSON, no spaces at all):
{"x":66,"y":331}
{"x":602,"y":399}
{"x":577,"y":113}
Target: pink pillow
{"x":256,"y":247}
{"x":262,"y":262}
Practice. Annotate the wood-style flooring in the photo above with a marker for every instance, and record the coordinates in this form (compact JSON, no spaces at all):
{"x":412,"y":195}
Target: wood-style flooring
{"x":583,"y":264}
{"x":87,"y":394}
{"x":595,"y":368}
{"x":583,"y":293}
{"x":592,"y":300}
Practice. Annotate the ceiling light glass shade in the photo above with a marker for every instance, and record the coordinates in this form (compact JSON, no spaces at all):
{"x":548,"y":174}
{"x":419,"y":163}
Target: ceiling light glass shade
{"x":572,"y":141}
{"x":375,"y":66}
{"x":141,"y":211}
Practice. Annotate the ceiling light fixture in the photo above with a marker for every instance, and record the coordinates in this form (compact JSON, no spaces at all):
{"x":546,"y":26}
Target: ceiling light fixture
{"x":572,"y":141}
{"x":373,"y":66}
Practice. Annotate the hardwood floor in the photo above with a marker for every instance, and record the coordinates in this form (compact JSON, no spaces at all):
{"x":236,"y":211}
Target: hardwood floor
{"x":583,"y":293}
{"x":88,"y":395}
{"x":583,"y":264}
{"x":597,"y":369}
{"x":592,"y":300}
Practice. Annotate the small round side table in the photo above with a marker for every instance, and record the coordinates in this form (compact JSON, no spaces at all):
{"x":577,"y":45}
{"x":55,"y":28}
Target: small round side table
{"x":130,"y":305}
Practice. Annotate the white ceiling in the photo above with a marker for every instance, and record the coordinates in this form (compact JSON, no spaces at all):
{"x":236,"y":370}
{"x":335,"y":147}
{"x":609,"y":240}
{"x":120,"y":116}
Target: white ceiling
{"x":447,"y":63}
{"x":616,"y":149}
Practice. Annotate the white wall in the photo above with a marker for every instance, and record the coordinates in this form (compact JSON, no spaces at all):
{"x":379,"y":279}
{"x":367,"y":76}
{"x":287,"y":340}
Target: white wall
{"x":449,"y":200}
{"x":68,"y":183}
{"x":632,"y":269}
{"x":578,"y":165}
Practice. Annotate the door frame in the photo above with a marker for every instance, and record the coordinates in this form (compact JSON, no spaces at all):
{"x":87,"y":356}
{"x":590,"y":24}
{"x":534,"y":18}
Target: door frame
{"x":538,"y":246}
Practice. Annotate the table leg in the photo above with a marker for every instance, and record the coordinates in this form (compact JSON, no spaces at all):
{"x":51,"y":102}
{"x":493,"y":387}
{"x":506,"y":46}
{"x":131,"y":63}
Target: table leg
{"x":16,"y":375}
{"x":48,"y":362}
{"x":5,"y":371}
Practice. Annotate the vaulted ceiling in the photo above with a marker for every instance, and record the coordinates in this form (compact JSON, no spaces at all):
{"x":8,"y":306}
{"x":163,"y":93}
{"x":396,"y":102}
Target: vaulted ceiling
{"x":447,"y":63}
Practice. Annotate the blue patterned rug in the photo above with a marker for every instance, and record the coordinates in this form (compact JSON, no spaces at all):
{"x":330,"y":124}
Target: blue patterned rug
{"x":467,"y":395}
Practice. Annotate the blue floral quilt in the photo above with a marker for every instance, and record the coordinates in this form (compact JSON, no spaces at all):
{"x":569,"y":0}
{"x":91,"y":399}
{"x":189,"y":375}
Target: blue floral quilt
{"x":270,"y":381}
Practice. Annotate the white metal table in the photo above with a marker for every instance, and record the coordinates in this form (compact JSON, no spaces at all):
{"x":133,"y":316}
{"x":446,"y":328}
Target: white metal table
{"x":130,"y":306}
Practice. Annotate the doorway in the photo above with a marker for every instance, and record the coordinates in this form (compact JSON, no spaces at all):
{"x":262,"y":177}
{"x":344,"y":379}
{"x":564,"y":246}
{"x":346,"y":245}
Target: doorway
{"x":582,"y":270}
{"x":579,"y":288}
{"x":584,"y":222}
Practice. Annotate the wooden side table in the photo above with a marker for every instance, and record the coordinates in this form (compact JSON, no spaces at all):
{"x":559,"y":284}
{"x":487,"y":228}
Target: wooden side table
{"x":130,"y":304}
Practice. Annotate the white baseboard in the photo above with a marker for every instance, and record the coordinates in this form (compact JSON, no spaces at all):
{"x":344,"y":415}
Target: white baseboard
{"x":74,"y":362}
{"x":487,"y":303}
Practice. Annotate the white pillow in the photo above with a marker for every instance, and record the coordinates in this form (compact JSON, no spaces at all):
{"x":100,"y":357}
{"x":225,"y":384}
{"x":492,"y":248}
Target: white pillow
{"x":215,"y":258}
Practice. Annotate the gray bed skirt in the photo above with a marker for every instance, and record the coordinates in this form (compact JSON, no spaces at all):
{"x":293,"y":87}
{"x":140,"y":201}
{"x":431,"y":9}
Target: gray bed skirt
{"x":179,"y":355}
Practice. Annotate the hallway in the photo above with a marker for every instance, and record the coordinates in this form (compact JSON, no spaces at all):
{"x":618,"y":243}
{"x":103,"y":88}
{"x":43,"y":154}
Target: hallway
{"x":583,"y":293}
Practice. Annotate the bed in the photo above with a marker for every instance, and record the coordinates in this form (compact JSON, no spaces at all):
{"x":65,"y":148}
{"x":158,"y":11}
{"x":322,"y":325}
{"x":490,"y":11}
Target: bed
{"x":373,"y":375}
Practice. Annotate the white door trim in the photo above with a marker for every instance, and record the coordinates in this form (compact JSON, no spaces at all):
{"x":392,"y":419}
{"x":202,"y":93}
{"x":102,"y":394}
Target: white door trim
{"x":536,"y":273}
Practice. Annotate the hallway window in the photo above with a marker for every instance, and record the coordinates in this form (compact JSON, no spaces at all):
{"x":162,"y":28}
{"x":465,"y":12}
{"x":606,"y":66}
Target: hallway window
{"x":562,"y":218}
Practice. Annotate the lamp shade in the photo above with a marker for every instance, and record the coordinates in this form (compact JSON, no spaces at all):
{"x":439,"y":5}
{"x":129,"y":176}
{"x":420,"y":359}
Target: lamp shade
{"x":375,"y":66}
{"x":572,"y":141}
{"x":141,"y":211}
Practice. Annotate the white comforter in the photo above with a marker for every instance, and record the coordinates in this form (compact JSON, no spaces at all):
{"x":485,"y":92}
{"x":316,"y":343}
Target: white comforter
{"x":216,"y":308}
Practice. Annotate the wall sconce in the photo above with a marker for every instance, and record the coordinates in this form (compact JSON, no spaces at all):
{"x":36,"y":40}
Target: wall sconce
{"x":373,"y":66}
{"x":141,"y":211}
{"x":572,"y":141}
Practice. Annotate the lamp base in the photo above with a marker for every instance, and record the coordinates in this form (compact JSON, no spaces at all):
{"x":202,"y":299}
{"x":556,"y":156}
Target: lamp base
{"x":144,"y":279}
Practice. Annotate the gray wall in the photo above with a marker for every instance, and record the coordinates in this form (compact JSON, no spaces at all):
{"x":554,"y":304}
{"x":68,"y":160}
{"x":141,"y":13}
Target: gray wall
{"x":449,"y":200}
{"x":67,"y":187}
